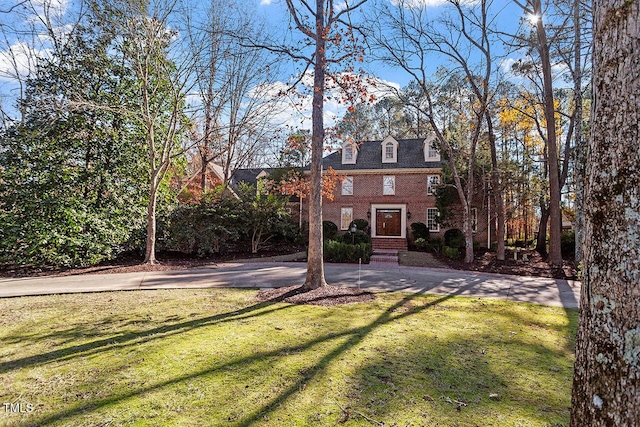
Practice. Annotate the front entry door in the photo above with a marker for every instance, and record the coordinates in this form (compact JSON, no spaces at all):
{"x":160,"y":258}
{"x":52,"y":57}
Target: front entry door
{"x":388,"y":222}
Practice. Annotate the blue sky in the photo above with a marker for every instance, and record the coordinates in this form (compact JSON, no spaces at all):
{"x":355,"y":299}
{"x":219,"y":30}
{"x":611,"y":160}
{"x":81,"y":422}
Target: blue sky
{"x":277,"y":19}
{"x":508,"y":19}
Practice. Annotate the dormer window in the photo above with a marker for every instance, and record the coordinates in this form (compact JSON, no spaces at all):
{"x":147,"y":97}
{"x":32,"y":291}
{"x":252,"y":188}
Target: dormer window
{"x":430,"y":147}
{"x":349,"y":154}
{"x":389,"y":150}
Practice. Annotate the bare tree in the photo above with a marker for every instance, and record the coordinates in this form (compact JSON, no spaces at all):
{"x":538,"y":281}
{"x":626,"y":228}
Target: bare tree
{"x":606,"y":386}
{"x":234,"y":101}
{"x":408,"y":37}
{"x":163,"y":82}
{"x":318,"y":26}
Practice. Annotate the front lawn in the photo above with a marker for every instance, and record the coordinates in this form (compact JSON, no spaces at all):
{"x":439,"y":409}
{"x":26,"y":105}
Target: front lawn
{"x":218,"y":357}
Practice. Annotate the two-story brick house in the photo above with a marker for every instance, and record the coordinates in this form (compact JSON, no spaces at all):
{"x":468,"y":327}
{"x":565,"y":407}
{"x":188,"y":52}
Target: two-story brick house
{"x":391,"y":183}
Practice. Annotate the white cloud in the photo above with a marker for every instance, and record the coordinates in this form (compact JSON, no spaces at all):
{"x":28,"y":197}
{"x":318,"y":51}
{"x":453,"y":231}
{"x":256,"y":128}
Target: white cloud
{"x":17,"y":61}
{"x":415,"y":4}
{"x":265,"y":2}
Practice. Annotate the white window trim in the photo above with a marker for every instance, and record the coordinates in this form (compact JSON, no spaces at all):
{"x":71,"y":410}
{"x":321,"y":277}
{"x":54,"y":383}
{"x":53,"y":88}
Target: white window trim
{"x":342,"y":212}
{"x":430,"y":186}
{"x":393,"y":159}
{"x":354,"y":153}
{"x":426,"y":147}
{"x":437,"y":226}
{"x":345,"y":181}
{"x":403,"y":218}
{"x":384,"y":187}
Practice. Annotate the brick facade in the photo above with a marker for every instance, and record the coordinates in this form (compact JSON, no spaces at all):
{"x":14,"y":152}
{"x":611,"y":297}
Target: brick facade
{"x":411,"y":198}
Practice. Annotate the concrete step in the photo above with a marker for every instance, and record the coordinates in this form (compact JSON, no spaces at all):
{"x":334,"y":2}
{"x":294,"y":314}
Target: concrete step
{"x":386,"y":256}
{"x":397,"y":244}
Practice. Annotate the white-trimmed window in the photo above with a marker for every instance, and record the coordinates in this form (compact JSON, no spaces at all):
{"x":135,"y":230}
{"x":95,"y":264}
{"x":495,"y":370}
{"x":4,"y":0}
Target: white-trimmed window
{"x":389,"y":150}
{"x":474,"y":219}
{"x":389,"y":185}
{"x":432,"y":219}
{"x":346,"y":217}
{"x":433,"y":150}
{"x":349,"y":154}
{"x":432,"y":182}
{"x":430,"y":148}
{"x":347,"y":186}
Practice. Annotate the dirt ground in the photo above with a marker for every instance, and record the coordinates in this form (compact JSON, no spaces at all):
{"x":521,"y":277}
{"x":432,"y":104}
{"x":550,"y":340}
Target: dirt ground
{"x":325,"y":296}
{"x":533,"y":264}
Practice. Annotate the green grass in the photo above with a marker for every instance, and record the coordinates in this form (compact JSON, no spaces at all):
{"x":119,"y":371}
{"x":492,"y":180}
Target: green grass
{"x":217,"y":357}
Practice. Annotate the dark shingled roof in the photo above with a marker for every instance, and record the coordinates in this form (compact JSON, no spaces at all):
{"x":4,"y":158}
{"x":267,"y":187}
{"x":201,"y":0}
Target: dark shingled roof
{"x":410,"y":156}
{"x":250,"y":176}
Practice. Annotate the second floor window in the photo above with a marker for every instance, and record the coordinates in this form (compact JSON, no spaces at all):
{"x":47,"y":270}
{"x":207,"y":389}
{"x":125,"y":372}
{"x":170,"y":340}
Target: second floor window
{"x":389,"y":185}
{"x":432,"y":182}
{"x":347,"y":186}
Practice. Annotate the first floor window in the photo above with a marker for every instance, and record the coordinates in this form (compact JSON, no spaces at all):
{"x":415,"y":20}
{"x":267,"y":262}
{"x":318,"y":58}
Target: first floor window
{"x":432,"y":219}
{"x":346,"y":217}
{"x":474,"y":219}
{"x":389,"y":185}
{"x":347,"y":186}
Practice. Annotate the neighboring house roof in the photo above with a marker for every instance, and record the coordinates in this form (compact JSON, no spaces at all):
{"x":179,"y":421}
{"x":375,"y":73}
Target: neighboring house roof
{"x":410,"y":156}
{"x":250,"y":176}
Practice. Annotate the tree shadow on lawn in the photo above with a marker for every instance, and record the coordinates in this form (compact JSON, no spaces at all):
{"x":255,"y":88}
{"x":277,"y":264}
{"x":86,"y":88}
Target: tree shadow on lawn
{"x":453,"y":381}
{"x":354,"y":337}
{"x":134,"y":338}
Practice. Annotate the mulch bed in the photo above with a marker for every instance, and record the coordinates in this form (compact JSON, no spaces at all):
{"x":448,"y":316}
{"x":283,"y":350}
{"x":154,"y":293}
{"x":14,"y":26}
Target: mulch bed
{"x":536,"y":265}
{"x":325,"y":295}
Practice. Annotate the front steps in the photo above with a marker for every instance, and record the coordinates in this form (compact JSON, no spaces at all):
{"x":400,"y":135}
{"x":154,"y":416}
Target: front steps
{"x":384,"y":256}
{"x":389,"y":244}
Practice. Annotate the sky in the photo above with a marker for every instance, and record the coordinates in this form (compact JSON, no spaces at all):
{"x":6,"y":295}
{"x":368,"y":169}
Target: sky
{"x":276,"y":17}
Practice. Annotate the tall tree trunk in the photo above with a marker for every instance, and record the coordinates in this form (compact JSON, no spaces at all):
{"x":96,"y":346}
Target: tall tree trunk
{"x":555,"y":256}
{"x":496,"y":187}
{"x":315,"y":266}
{"x":150,"y":252}
{"x":606,"y":385}
{"x":541,"y":240}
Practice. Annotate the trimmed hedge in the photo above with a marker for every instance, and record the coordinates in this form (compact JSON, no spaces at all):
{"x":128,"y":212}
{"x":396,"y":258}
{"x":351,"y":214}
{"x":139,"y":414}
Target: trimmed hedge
{"x":329,"y":230}
{"x":362,"y":224}
{"x":420,"y":231}
{"x":346,"y":252}
{"x":355,"y":238}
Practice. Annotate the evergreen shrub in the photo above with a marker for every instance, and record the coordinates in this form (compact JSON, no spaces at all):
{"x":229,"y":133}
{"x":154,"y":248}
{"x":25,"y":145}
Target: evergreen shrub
{"x":342,"y":252}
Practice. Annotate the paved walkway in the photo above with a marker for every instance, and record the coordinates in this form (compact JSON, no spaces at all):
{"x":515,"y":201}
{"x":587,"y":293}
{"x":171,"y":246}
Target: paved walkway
{"x":439,"y":281}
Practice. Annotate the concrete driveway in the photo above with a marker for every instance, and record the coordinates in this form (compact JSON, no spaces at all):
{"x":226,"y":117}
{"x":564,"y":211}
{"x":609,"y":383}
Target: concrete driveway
{"x":380,"y":277}
{"x":552,"y":292}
